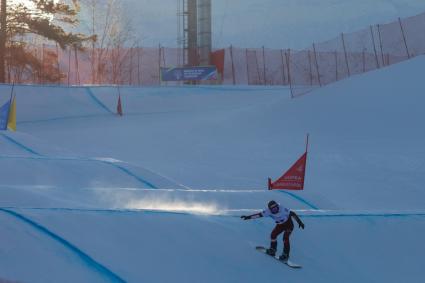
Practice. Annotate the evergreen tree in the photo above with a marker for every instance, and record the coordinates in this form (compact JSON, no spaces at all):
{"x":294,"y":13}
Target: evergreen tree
{"x":45,"y":18}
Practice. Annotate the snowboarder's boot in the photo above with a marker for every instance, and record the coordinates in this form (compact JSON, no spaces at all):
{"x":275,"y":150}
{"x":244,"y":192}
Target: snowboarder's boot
{"x":271,"y":252}
{"x":284,"y":257}
{"x":273,"y":247}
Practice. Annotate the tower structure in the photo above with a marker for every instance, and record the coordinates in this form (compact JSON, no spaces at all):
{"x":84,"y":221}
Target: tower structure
{"x":204,"y":35}
{"x":194,"y":32}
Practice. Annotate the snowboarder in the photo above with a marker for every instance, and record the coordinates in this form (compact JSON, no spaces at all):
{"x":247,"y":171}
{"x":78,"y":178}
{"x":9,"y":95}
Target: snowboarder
{"x":283,"y":218}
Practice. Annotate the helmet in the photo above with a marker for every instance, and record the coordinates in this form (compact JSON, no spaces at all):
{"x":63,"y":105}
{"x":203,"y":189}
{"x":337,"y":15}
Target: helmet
{"x":272,"y":205}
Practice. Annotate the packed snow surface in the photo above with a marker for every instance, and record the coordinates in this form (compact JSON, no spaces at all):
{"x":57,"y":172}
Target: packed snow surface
{"x":156,"y":195}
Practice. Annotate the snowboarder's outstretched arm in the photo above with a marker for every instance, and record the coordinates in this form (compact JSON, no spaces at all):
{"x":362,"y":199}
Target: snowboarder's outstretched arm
{"x":300,"y":223}
{"x":253,"y":216}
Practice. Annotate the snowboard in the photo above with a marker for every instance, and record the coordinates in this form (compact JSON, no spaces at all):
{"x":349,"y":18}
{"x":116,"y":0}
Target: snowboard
{"x":288,"y":263}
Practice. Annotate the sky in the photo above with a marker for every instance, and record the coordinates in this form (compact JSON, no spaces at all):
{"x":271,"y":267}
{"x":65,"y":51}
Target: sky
{"x":272,"y":23}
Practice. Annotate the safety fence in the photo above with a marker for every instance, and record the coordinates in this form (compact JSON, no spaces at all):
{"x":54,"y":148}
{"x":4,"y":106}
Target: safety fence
{"x":330,"y":61}
{"x":302,"y":70}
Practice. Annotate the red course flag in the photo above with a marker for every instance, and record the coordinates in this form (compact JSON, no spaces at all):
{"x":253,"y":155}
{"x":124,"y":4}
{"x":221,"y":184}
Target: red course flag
{"x":119,"y":107}
{"x":293,"y":179}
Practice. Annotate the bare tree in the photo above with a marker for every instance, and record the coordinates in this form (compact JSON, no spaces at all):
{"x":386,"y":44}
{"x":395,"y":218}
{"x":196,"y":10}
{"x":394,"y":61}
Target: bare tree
{"x":109,"y":53}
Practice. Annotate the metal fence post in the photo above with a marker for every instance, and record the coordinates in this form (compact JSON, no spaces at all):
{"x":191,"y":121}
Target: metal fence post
{"x":336,"y":65}
{"x":317,"y":65}
{"x":288,"y":58}
{"x":310,"y":67}
{"x":233,"y":65}
{"x":404,"y":38}
{"x":264,"y":67}
{"x":159,"y":64}
{"x":380,"y":43}
{"x":283,"y":67}
{"x":138,"y":65}
{"x":374,"y":47}
{"x":76,"y":64}
{"x":247,"y":66}
{"x":345,"y":54}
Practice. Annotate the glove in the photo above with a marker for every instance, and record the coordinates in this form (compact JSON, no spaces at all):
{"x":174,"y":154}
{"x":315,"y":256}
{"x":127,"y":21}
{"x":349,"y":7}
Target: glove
{"x":245,"y":217}
{"x":301,"y":225}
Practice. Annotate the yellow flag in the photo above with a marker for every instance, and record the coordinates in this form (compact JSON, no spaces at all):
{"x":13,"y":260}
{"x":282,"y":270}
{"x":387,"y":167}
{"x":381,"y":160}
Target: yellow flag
{"x":11,"y":124}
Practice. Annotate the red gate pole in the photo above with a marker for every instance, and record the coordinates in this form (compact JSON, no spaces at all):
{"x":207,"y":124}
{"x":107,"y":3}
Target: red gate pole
{"x":306,"y":143}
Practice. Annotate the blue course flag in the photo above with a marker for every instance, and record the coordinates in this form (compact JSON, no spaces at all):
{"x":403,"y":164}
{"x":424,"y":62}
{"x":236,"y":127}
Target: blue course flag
{"x":189,"y":74}
{"x":4,"y":115}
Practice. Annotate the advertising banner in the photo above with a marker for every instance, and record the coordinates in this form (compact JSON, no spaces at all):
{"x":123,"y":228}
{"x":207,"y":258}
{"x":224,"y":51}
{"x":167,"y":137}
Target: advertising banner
{"x":189,"y":73}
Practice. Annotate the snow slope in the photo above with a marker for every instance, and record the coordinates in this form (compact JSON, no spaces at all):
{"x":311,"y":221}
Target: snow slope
{"x":156,"y":195}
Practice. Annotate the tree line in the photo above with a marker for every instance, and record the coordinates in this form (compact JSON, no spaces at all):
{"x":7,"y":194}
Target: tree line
{"x":96,"y":27}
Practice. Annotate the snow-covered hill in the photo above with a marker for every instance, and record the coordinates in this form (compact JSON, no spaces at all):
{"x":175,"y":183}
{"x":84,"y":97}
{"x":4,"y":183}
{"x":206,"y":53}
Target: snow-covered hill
{"x":156,"y":195}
